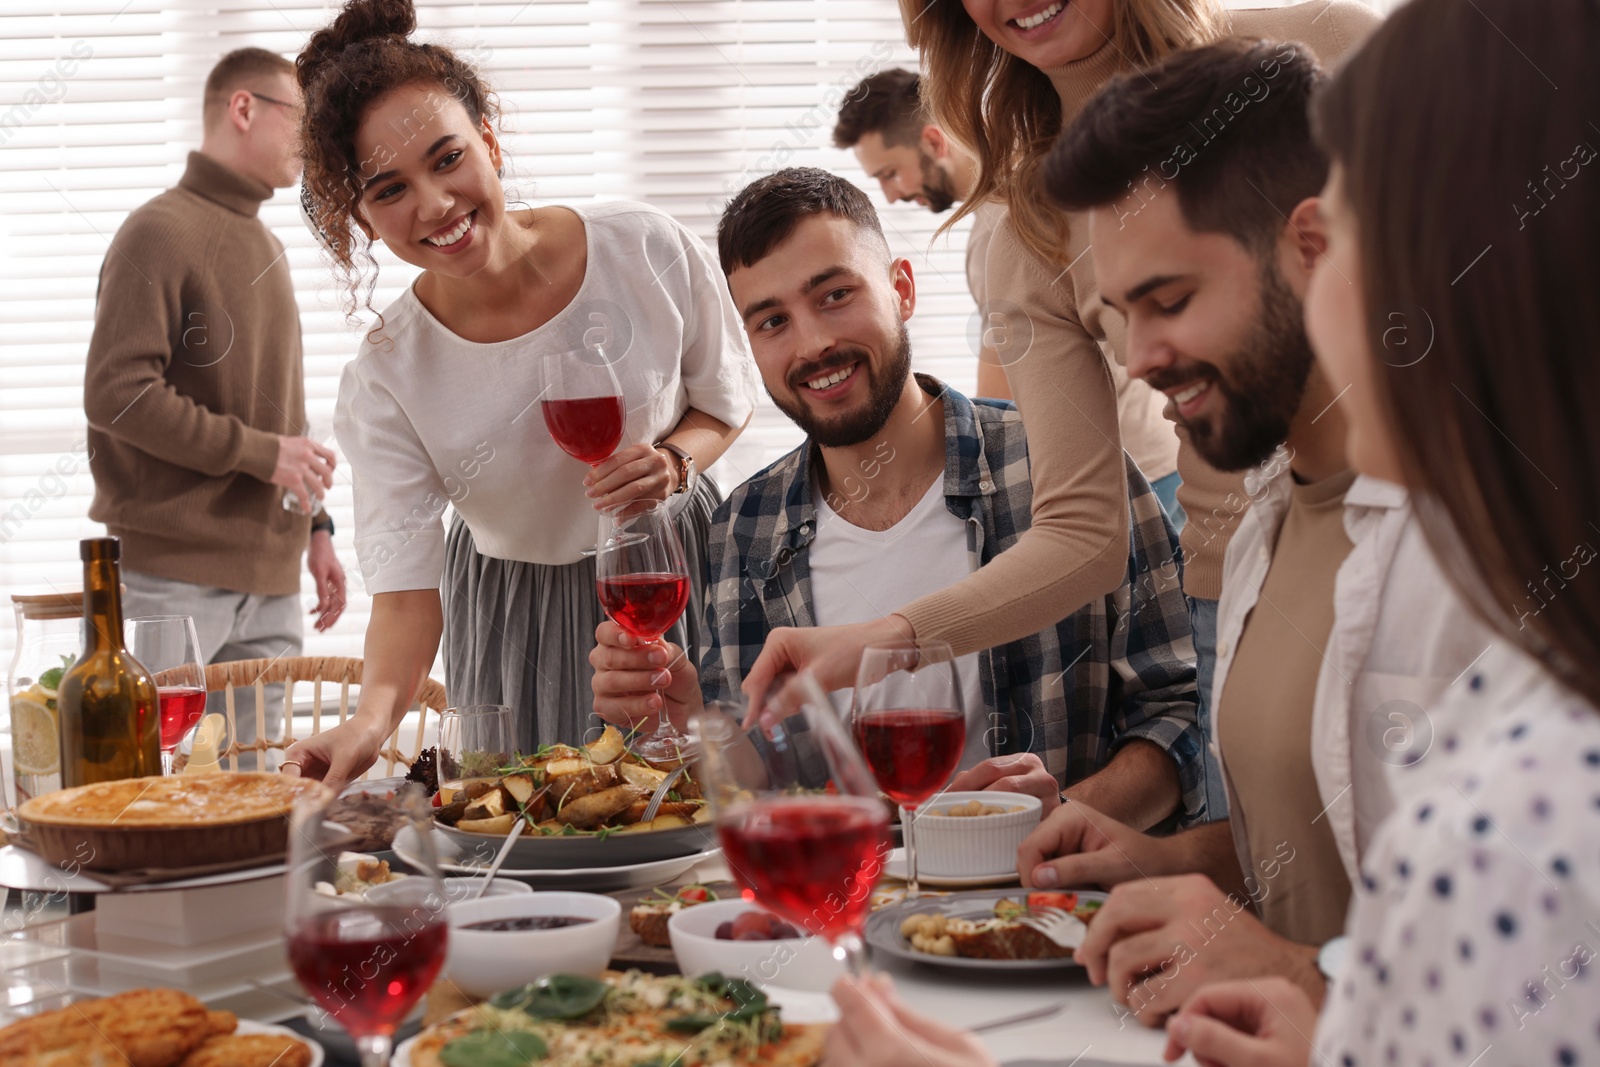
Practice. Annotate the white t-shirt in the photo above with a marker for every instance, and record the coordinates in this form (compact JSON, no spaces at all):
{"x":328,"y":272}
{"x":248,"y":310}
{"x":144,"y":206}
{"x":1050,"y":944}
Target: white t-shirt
{"x":859,"y":575}
{"x":427,"y":418}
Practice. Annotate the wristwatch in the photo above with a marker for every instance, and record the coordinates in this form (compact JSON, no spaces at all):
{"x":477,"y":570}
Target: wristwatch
{"x":685,"y":465}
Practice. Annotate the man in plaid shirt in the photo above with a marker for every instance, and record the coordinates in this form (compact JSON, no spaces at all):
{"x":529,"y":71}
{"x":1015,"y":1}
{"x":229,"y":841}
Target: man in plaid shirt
{"x":1102,"y":704}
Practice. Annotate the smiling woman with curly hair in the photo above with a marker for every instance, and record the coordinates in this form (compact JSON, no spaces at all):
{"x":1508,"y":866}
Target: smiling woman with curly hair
{"x":402,"y":146}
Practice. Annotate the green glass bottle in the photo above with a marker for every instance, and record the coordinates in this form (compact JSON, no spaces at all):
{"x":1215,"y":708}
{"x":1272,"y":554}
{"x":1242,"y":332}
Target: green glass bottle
{"x":110,"y":725}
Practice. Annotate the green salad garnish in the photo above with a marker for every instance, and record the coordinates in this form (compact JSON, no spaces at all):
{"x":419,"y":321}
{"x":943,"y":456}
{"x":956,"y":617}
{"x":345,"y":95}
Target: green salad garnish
{"x":560,"y":996}
{"x":493,"y":1048}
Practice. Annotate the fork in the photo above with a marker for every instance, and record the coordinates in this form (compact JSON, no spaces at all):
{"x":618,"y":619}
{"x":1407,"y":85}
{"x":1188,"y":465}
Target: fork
{"x":1061,"y":927}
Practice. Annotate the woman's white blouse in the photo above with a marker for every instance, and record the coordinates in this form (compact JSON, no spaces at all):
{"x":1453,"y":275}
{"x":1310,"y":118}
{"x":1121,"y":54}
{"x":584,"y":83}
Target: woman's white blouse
{"x":1476,"y":925}
{"x":426,"y":418}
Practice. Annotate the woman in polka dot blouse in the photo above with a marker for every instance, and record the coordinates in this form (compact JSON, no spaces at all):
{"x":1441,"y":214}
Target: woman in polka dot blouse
{"x":1459,"y":305}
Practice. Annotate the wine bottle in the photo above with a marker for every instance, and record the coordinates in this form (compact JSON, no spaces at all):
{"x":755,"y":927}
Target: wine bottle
{"x":110,"y":724}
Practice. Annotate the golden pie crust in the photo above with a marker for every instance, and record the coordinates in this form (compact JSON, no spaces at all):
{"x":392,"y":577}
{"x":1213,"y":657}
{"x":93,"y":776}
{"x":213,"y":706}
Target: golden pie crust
{"x":172,"y":822}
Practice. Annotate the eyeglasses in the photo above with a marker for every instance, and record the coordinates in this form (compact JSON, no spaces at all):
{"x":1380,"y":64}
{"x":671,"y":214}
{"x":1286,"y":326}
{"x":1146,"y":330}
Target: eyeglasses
{"x":273,"y":100}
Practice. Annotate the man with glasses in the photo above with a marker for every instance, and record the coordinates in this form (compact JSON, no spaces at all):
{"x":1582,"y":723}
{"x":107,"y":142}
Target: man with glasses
{"x":194,"y":391}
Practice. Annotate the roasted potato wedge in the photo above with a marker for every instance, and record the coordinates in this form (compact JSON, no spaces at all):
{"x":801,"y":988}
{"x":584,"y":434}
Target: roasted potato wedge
{"x":609,"y":748}
{"x":477,"y":787}
{"x":703,"y":815}
{"x":668,"y":822}
{"x":558,"y":753}
{"x":593,"y":779}
{"x":500,"y":824}
{"x":520,"y":786}
{"x":562,"y":768}
{"x":488,"y":806}
{"x":639,"y":774}
{"x":635,"y":810}
{"x":588,"y":812}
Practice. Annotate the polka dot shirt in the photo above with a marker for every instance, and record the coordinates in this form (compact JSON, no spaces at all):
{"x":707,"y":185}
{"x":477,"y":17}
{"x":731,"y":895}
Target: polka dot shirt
{"x":1475,"y":929}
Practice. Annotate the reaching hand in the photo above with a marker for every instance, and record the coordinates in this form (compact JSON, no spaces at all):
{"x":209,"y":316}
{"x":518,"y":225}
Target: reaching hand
{"x":328,"y":574}
{"x":632,"y":679}
{"x":876,"y":1029}
{"x":338,"y":755}
{"x":305,"y":468}
{"x":832,"y":653}
{"x":1078,"y":846}
{"x":1159,"y":940}
{"x":637,"y":472}
{"x":1023,"y":772}
{"x":1264,"y":1022}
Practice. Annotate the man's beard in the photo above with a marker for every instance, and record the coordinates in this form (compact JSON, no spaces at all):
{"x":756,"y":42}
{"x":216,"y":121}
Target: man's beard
{"x":1264,"y":387}
{"x":883,"y":393}
{"x":936,"y":185}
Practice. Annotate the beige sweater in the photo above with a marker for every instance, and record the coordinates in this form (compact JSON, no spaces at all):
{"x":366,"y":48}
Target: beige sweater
{"x":1146,"y":436}
{"x":194,"y":369}
{"x":1077,"y":548}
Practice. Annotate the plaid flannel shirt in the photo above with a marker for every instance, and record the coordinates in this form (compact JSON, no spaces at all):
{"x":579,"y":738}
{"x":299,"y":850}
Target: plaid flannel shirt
{"x":1121,"y":667}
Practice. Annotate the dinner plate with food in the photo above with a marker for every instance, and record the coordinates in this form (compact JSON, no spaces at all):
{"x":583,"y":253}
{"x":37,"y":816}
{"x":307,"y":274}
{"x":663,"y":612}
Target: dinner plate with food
{"x":622,"y":1020}
{"x":583,"y":806}
{"x":605,"y":879}
{"x":979,"y":930}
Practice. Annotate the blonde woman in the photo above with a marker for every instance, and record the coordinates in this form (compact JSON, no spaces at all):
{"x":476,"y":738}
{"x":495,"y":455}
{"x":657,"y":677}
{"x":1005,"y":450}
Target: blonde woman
{"x":1004,"y":77}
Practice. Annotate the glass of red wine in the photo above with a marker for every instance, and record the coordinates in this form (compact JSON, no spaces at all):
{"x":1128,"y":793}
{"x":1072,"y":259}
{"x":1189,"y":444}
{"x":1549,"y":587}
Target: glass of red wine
{"x":908,"y":719}
{"x":798,"y":815}
{"x":643,"y":584}
{"x":170,"y":650}
{"x":582,"y":404}
{"x":365,"y":964}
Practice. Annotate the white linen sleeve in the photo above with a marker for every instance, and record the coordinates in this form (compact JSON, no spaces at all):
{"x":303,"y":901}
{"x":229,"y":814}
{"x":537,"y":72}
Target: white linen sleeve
{"x":400,"y":497}
{"x":717,"y":367}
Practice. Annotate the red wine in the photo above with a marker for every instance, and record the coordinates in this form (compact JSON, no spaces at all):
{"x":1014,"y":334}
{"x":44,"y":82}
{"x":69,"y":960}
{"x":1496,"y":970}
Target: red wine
{"x":181,"y":708}
{"x":645,"y":605}
{"x":369,"y":966}
{"x":588,"y":427}
{"x":911,"y":751}
{"x":810,"y":860}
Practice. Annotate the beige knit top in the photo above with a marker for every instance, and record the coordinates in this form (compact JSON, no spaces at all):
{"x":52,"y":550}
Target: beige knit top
{"x":1077,"y":548}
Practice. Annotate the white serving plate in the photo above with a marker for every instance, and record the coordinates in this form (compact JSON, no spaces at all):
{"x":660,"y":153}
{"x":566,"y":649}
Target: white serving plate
{"x":590,"y":879}
{"x":21,"y":869}
{"x":249,"y":1026}
{"x":895,"y":867}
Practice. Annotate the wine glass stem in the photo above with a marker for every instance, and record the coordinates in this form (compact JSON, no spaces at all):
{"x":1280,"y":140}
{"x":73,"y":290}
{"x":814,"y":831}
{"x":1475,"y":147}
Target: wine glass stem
{"x":907,"y":815}
{"x":374,"y":1050}
{"x":848,"y":946}
{"x":166,"y":762}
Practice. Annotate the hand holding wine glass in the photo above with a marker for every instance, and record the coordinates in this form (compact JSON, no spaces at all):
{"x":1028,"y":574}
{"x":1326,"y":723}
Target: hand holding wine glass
{"x":642,"y":580}
{"x":366,"y":964}
{"x":169,"y":648}
{"x":908,"y":718}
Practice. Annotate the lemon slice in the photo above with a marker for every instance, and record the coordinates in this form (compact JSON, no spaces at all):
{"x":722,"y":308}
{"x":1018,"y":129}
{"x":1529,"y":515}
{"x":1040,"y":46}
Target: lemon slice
{"x":34,"y":737}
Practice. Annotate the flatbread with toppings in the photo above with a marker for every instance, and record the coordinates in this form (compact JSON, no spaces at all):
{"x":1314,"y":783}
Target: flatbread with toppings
{"x":622,"y":1020}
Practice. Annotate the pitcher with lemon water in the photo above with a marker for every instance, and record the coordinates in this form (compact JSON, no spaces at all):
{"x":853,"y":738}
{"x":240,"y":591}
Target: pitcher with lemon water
{"x":49,"y":639}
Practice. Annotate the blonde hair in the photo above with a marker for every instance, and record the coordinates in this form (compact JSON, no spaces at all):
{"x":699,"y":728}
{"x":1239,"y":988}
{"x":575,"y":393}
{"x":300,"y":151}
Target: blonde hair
{"x":1006,"y":111}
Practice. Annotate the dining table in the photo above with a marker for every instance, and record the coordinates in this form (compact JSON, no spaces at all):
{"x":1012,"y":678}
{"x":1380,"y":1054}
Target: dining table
{"x":1069,"y":1022}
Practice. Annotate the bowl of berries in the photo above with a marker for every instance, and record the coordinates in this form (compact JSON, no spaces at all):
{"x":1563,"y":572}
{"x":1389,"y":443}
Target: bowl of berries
{"x":741,"y":940}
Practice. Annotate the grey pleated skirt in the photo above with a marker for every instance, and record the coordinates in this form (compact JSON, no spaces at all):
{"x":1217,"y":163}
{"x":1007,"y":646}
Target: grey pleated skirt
{"x":519,"y":634}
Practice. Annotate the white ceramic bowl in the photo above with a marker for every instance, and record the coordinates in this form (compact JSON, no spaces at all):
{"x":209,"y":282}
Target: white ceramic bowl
{"x":794,"y":963}
{"x":484,"y":962}
{"x":958,"y":846}
{"x":457,"y":889}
